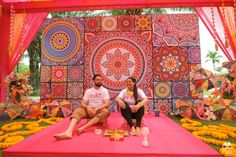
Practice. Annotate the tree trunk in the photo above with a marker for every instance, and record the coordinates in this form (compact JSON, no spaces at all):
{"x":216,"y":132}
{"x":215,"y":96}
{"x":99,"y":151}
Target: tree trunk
{"x":133,"y":11}
{"x":34,"y":68}
{"x":214,"y":67}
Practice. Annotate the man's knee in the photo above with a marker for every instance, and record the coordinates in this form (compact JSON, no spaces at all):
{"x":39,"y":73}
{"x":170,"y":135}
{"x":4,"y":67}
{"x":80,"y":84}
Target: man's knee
{"x":79,"y":113}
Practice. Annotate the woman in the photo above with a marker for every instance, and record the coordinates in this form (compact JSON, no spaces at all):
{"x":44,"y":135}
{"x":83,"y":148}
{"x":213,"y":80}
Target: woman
{"x":131,"y":101}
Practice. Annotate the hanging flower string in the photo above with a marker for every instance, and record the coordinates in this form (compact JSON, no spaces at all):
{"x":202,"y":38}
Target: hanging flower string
{"x":11,"y":33}
{"x":235,"y":15}
{"x":23,"y":35}
{"x":11,"y":133}
{"x":214,"y":27}
{"x":224,"y":24}
{"x":219,"y":133}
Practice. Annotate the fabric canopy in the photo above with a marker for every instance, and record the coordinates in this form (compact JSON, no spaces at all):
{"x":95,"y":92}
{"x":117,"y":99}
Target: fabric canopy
{"x":72,"y":5}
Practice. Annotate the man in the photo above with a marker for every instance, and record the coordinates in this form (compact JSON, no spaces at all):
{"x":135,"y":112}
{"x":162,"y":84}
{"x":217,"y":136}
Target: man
{"x":94,"y":106}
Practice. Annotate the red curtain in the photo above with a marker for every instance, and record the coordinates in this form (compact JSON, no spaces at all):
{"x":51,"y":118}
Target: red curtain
{"x":205,"y":15}
{"x":26,"y":26}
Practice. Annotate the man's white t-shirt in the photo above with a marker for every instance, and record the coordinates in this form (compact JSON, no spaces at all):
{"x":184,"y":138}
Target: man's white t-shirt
{"x":130,"y":99}
{"x":95,"y":97}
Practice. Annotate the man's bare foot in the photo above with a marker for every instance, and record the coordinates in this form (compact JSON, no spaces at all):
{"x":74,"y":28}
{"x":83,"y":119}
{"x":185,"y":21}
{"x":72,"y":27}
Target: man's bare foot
{"x":79,"y":131}
{"x":63,"y":135}
{"x":132,"y":131}
{"x":138,"y":131}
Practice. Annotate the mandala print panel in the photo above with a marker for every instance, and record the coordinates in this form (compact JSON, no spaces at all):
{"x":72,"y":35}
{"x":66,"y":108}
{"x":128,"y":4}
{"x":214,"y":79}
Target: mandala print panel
{"x":162,"y":89}
{"x":170,"y":64}
{"x":114,"y":107}
{"x":194,"y":92}
{"x":194,"y":55}
{"x":193,"y":71}
{"x":109,"y":23}
{"x":143,"y":22}
{"x":180,"y":89}
{"x":75,"y":90}
{"x":150,"y":106}
{"x":118,"y":55}
{"x":62,"y":41}
{"x":148,"y":90}
{"x":75,"y":103}
{"x":175,"y":30}
{"x":44,"y":90}
{"x":59,"y":73}
{"x":93,"y":24}
{"x":126,"y":23}
{"x":45,"y":74}
{"x":163,"y":105}
{"x":59,"y":90}
{"x":75,"y":73}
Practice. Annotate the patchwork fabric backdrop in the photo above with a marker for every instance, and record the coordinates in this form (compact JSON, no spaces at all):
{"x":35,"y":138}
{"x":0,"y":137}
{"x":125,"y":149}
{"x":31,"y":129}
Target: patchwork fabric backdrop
{"x":161,"y":51}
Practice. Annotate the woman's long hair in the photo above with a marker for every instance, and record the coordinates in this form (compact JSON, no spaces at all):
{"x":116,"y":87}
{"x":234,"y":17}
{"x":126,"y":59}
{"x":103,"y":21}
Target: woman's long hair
{"x":135,"y":88}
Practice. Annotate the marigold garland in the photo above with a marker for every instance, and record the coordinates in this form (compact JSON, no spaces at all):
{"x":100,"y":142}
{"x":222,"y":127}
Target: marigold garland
{"x":12,"y":127}
{"x":1,"y":133}
{"x":220,"y":133}
{"x":10,"y":134}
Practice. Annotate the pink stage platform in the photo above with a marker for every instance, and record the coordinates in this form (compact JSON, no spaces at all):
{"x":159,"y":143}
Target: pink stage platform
{"x":166,"y":139}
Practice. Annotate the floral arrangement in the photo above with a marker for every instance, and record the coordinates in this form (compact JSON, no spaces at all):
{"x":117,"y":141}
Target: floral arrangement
{"x":228,"y":90}
{"x":19,"y":86}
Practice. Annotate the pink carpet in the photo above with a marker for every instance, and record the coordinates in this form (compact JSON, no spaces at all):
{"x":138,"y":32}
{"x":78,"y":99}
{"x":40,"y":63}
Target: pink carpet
{"x":166,"y":139}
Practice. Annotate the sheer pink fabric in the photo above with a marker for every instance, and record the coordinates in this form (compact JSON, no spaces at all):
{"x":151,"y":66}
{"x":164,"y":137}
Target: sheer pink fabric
{"x":205,"y":16}
{"x":28,"y":25}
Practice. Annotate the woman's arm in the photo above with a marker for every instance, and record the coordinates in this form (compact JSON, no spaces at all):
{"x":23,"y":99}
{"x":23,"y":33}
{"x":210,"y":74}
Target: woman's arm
{"x":120,"y":102}
{"x":143,"y":102}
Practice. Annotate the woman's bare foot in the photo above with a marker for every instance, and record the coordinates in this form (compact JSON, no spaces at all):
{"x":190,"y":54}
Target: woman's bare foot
{"x":138,"y":131}
{"x":132,"y":131}
{"x":63,"y":135}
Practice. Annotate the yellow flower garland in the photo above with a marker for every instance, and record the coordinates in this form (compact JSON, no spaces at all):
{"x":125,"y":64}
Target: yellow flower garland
{"x":1,"y":133}
{"x":12,"y":126}
{"x":10,"y":136}
{"x":221,"y":132}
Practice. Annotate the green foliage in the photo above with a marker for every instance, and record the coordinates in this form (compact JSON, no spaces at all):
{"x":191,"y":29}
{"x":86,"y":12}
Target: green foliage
{"x":80,"y":13}
{"x":21,"y":67}
{"x":154,"y":11}
{"x":214,"y":57}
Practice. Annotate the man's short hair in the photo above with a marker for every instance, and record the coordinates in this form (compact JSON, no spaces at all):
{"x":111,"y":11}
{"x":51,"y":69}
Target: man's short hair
{"x":95,"y":76}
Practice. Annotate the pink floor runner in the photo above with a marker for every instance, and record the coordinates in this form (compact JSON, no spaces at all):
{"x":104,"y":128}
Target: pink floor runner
{"x":166,"y":139}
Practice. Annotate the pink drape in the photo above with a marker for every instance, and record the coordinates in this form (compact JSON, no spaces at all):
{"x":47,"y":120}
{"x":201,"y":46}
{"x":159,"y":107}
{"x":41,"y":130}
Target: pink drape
{"x":30,"y":27}
{"x":25,"y":27}
{"x":206,"y":17}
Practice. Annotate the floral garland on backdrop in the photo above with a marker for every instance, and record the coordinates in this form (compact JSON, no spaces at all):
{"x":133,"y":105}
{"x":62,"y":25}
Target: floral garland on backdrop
{"x":10,"y":133}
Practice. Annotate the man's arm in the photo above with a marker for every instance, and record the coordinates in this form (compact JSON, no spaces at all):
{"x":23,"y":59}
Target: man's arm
{"x":84,"y":103}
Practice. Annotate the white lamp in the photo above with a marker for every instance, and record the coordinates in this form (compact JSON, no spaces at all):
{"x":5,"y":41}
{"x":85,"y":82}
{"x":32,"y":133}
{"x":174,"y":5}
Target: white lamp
{"x":145,"y":133}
